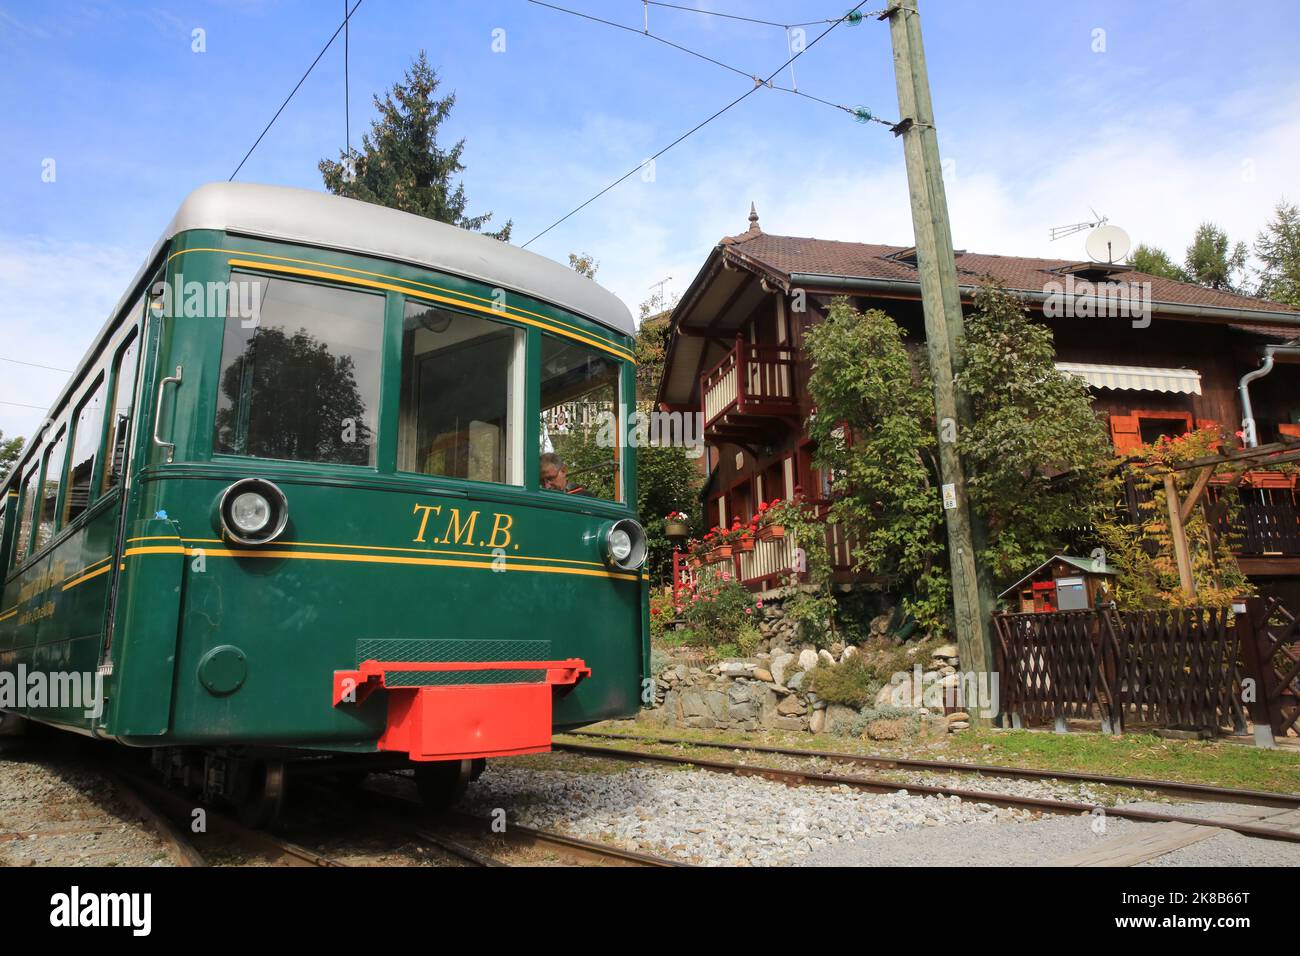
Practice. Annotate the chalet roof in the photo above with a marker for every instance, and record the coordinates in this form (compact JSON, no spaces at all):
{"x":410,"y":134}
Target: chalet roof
{"x":1086,"y":565}
{"x":785,"y":256}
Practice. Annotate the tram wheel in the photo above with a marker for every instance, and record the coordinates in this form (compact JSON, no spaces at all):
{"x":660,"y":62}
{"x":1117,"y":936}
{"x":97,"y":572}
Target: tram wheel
{"x":442,"y":783}
{"x":15,"y":736}
{"x":261,"y":802}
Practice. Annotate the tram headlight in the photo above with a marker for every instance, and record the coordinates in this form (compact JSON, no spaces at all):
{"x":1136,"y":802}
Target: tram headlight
{"x":253,"y":511}
{"x":625,"y":545}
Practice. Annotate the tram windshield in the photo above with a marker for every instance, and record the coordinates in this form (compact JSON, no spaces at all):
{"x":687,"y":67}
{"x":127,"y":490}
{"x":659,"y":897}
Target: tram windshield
{"x":300,"y":381}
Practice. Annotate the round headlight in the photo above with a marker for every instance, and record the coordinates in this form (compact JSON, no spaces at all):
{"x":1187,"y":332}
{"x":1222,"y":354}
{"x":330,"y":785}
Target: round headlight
{"x":250,"y":512}
{"x":253,"y":511}
{"x":625,"y":545}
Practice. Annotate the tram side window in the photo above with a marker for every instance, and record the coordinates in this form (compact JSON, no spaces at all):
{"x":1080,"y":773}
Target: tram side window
{"x":461,"y":392}
{"x":86,"y":433}
{"x":50,"y":491}
{"x":122,"y":405}
{"x":580,"y":424}
{"x":301,"y":380}
{"x":27,"y":513}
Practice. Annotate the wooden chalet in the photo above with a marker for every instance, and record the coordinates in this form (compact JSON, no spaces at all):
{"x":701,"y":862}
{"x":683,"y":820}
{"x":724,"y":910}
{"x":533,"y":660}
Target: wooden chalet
{"x":734,"y":353}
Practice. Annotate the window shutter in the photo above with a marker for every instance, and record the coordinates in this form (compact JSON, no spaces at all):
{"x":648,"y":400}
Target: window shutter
{"x":1124,"y":433}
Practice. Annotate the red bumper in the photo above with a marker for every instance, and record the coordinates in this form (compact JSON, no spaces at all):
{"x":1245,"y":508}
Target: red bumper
{"x":463,"y":721}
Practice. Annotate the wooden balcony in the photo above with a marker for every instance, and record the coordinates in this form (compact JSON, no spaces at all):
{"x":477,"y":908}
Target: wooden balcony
{"x":1266,"y":534}
{"x":753,"y":387}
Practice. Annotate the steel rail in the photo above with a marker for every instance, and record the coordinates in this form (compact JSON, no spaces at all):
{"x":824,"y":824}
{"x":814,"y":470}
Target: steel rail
{"x":1286,"y":801}
{"x":802,"y":778}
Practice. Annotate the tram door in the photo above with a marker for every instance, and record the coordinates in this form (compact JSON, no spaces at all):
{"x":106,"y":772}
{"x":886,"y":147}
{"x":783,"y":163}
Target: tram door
{"x":126,"y":375}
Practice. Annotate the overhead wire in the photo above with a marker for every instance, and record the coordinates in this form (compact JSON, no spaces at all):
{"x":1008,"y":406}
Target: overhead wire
{"x":295,"y":89}
{"x":699,"y":126}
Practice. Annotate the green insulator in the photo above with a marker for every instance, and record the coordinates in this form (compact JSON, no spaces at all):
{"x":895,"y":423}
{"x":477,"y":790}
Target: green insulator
{"x":853,"y":17}
{"x":862,"y":114}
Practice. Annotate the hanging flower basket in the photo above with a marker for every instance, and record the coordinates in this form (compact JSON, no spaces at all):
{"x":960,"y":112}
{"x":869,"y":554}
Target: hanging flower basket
{"x":676,"y":529}
{"x":721,"y":553}
{"x":771,"y":532}
{"x":744,"y":545}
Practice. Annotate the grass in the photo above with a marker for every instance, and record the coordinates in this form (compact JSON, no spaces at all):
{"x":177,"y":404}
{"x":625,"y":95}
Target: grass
{"x":1216,"y":763}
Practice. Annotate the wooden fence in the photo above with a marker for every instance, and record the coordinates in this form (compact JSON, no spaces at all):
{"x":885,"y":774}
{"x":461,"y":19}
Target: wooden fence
{"x":1172,"y":668}
{"x":1271,"y":654}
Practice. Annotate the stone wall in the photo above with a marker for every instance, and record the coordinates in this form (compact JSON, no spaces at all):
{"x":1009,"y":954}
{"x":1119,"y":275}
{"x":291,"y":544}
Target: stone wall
{"x":766,"y":692}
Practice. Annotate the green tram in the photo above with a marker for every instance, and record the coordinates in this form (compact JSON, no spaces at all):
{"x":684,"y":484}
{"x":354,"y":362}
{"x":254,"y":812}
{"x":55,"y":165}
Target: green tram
{"x":299,"y":507}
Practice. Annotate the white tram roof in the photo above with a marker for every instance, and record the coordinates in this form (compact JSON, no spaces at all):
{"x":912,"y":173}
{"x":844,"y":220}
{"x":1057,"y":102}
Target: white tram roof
{"x":321,"y":219}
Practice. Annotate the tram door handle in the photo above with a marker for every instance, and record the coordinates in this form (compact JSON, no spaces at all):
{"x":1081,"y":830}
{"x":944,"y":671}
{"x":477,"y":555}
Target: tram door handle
{"x":157,"y":415}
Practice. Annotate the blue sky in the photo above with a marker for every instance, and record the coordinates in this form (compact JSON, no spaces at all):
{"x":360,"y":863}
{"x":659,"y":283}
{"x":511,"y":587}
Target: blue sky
{"x":1187,"y":114}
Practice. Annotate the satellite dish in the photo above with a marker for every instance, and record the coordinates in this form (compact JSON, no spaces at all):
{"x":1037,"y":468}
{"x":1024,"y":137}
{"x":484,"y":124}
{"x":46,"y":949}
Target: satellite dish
{"x":1107,"y":244}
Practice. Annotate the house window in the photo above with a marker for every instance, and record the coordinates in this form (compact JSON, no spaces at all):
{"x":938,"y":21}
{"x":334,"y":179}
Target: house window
{"x":1153,"y":429}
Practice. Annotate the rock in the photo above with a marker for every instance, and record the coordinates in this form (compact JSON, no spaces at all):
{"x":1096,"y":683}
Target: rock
{"x":947,"y":669}
{"x":946,"y":650}
{"x":763,"y":674}
{"x":880,"y":624}
{"x":796,"y":681}
{"x":788,"y":723}
{"x":817,"y":722}
{"x":735,"y":668}
{"x":807,"y":659}
{"x":956,"y":716}
{"x":837,"y":649}
{"x":826,"y":657}
{"x":850,"y":652}
{"x":932,"y":728}
{"x":958,"y":725}
{"x":778,"y":667}
{"x":791,"y":706}
{"x":716,"y":701}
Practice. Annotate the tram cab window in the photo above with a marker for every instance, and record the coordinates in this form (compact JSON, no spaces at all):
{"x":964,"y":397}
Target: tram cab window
{"x":461,"y":396}
{"x":27,"y":513}
{"x":123,"y":399}
{"x":86,"y":434}
{"x":580,"y":416}
{"x":300,"y":377}
{"x":50,"y":490}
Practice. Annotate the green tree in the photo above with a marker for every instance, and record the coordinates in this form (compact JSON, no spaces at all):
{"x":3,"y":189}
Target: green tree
{"x":1278,"y":248}
{"x":667,"y":479}
{"x":1211,"y":263}
{"x":10,"y":450}
{"x":1034,"y":452}
{"x":1156,"y":262}
{"x":584,"y":264}
{"x":401,"y":164}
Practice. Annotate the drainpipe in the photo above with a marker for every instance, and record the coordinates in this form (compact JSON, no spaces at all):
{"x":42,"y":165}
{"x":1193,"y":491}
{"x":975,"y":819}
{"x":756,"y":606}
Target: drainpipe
{"x":1251,"y":440}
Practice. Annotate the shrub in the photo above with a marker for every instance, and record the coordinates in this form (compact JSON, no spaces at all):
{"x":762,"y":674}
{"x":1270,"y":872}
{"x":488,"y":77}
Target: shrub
{"x":718,"y":611}
{"x":851,"y":683}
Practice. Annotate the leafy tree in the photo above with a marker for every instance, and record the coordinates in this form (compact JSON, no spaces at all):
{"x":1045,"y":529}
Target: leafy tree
{"x":10,"y":450}
{"x":1156,"y":262}
{"x":1141,"y":551}
{"x":1211,"y":263}
{"x":401,"y":164}
{"x":874,"y":432}
{"x":666,"y":480}
{"x":1278,"y":248}
{"x":1034,"y":452}
{"x":584,"y":264}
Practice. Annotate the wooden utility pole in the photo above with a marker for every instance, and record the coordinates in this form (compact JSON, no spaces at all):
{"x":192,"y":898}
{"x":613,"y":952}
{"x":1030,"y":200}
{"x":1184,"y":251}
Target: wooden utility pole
{"x":941,"y":302}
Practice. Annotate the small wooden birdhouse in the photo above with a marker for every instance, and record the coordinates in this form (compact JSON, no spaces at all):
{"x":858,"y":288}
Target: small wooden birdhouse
{"x":1061,"y":583}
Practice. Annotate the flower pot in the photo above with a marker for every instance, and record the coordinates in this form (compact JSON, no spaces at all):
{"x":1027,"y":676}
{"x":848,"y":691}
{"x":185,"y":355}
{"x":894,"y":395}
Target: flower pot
{"x":676,"y":529}
{"x":1269,"y":479}
{"x":744,"y":545}
{"x":721,"y":553}
{"x":771,"y":532}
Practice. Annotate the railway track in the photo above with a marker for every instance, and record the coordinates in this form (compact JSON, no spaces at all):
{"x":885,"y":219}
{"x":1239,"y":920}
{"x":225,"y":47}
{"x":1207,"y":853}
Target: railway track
{"x":1281,"y":830}
{"x":1173,"y":788}
{"x":169,"y":814}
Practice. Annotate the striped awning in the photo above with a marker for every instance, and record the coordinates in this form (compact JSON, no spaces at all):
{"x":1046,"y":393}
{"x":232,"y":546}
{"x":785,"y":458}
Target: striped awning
{"x":1186,"y":381}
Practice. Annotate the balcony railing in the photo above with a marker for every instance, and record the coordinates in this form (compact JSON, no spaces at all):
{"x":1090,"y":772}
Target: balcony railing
{"x":1267,"y":524}
{"x":751,"y":380}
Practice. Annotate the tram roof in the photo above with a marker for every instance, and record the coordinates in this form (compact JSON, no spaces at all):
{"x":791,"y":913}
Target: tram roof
{"x":320,"y":219}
